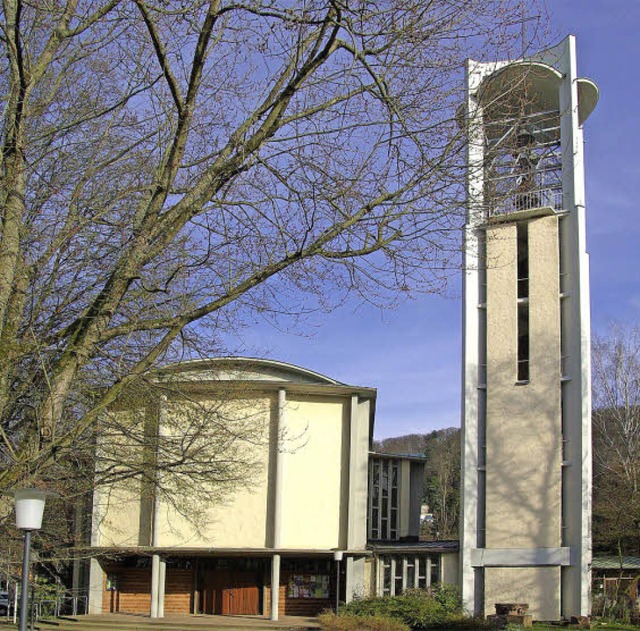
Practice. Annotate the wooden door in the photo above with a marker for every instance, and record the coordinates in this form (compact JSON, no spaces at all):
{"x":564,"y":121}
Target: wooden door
{"x":231,"y":593}
{"x":241,"y":596}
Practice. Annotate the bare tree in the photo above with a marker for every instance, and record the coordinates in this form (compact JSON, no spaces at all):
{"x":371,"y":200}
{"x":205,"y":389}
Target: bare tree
{"x":168,"y":168}
{"x":616,"y":440}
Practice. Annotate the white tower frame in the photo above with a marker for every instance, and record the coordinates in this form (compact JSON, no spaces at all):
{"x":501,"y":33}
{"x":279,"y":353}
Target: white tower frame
{"x":576,"y":99}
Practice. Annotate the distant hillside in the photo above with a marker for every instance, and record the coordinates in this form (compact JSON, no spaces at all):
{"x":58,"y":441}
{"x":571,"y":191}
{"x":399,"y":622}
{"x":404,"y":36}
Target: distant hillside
{"x":412,"y":443}
{"x":442,"y":475}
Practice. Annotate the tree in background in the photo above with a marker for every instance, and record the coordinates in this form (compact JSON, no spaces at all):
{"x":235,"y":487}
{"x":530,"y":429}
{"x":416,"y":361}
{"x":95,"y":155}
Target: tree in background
{"x":442,"y":483}
{"x":616,"y":440}
{"x":170,"y":170}
{"x":407,"y":444}
{"x":442,"y":476}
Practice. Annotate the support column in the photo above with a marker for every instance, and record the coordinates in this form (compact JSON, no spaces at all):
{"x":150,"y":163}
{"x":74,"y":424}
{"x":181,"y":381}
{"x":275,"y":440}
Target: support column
{"x":157,"y":574}
{"x":155,"y":584}
{"x":161,"y":588}
{"x":96,"y":586}
{"x":354,"y":579}
{"x":349,"y":587}
{"x":277,"y":502}
{"x":280,"y":470}
{"x":275,"y":586}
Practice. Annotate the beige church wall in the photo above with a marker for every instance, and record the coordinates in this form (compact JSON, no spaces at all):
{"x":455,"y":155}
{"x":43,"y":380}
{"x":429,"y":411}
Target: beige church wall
{"x":236,"y":517}
{"x":315,"y":470}
{"x":117,"y":518}
{"x":450,"y":568}
{"x":118,"y":509}
{"x":524,"y":442}
{"x":539,"y":587}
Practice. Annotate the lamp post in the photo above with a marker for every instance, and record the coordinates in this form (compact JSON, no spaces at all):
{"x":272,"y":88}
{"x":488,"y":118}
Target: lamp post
{"x":337,"y":557}
{"x":29,"y":510}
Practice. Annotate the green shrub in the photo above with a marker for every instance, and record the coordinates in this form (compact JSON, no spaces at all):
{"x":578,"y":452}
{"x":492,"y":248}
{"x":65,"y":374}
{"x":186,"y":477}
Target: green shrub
{"x":448,"y":595}
{"x":351,"y":622}
{"x":416,"y":608}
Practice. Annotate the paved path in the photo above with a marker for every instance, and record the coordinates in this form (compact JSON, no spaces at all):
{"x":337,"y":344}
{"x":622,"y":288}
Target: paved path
{"x":128,"y":622}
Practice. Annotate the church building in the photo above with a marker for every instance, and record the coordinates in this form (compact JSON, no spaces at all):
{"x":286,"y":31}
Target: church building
{"x":323,"y":516}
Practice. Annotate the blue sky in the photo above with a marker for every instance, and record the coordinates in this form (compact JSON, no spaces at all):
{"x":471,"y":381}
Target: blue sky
{"x":412,"y":354}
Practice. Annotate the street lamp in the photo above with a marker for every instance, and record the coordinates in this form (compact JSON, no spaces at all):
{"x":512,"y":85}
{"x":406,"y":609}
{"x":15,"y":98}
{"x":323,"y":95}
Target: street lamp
{"x":337,"y":557}
{"x":29,"y":510}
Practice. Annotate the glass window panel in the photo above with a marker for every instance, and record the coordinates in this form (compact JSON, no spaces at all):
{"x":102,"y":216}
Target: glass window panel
{"x":422,"y":572}
{"x":435,"y":574}
{"x":386,"y":577}
{"x":411,"y":575}
{"x":384,"y":482}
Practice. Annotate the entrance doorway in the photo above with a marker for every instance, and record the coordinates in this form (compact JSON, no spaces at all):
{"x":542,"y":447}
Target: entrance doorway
{"x":231,"y":588}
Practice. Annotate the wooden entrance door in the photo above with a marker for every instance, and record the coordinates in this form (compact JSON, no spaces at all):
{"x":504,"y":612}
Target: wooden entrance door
{"x":229,"y":593}
{"x":242,"y":596}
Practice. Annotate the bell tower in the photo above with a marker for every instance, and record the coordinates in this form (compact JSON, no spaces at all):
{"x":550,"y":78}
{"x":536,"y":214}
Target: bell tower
{"x":526,"y":490}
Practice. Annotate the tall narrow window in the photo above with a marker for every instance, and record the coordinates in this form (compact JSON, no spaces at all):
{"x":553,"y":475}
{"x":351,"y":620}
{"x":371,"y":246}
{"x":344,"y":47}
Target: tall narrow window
{"x":383,"y":498}
{"x":523,"y":259}
{"x":523,"y":342}
{"x":523,"y":300}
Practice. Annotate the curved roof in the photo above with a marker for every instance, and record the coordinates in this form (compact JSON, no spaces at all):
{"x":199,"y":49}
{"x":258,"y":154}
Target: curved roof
{"x":244,"y":369}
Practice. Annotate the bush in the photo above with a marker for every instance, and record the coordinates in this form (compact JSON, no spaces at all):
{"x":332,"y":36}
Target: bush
{"x":416,"y":608}
{"x":448,"y":596}
{"x":351,"y":622}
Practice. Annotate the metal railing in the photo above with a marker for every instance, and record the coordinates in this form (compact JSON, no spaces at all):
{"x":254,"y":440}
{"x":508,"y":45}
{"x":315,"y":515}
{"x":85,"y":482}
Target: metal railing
{"x":515,"y":201}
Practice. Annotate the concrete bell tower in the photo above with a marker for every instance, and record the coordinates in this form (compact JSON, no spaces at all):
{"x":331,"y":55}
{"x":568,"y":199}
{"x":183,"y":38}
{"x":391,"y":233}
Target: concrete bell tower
{"x":526,"y":494}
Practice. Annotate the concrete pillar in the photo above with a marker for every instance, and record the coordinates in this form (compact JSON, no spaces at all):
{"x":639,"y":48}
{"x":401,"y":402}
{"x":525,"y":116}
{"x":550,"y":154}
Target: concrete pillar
{"x":96,"y":583}
{"x":158,"y":573}
{"x":279,"y":469}
{"x":155,"y":584}
{"x":275,"y":585}
{"x":161,"y":588}
{"x":354,"y":578}
{"x":277,"y":503}
{"x":358,"y":474}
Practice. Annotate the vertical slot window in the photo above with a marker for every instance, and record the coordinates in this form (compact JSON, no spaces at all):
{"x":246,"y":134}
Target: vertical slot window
{"x":523,"y":342}
{"x":523,"y":259}
{"x":523,"y":300}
